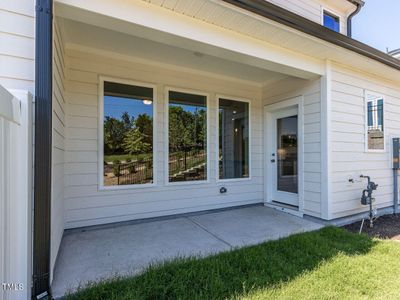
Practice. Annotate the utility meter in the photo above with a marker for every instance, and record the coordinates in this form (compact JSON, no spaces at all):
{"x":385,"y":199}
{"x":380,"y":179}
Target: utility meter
{"x":396,"y":153}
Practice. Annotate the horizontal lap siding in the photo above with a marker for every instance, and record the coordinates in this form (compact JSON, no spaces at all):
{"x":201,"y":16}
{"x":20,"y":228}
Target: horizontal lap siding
{"x":311,"y":92}
{"x":17,"y":44}
{"x":58,"y":152}
{"x":349,"y":159}
{"x":86,"y":205}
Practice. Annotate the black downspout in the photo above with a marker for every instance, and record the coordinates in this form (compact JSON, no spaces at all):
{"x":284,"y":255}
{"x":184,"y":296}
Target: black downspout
{"x":350,"y":17}
{"x":43,"y":146}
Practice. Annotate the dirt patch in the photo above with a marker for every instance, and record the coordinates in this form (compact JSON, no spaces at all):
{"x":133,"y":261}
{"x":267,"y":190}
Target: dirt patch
{"x":385,"y":227}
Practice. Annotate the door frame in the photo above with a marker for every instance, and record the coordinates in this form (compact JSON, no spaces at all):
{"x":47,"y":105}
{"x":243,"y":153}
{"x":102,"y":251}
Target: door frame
{"x":268,"y":118}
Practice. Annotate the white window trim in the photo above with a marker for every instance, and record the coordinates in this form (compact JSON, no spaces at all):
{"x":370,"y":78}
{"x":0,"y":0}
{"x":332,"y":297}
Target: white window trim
{"x":333,"y":13}
{"x":166,"y":135}
{"x":100,"y":145}
{"x":378,"y":96}
{"x":219,"y":180}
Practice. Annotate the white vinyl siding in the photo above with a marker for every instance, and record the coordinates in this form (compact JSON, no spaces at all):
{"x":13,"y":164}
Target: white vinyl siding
{"x":311,"y":92}
{"x":86,"y":205}
{"x":58,"y":149}
{"x":349,"y":158}
{"x":17,"y":44}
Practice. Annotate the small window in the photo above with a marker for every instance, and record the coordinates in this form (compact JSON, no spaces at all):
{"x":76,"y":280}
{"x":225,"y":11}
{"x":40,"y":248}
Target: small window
{"x":127,"y":134}
{"x":375,"y":122}
{"x":233,"y":139}
{"x":331,"y":21}
{"x":187,"y":137}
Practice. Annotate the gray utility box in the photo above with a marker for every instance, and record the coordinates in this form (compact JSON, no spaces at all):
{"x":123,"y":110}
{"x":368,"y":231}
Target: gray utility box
{"x":396,"y":153}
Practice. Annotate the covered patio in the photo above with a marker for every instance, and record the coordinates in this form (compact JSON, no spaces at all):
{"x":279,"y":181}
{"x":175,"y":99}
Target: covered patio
{"x":104,"y":222}
{"x":127,"y":249}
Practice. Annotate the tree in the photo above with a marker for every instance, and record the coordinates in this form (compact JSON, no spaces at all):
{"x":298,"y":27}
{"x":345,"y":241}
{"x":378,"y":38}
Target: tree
{"x":127,"y":120}
{"x":114,"y":132}
{"x":144,"y":123}
{"x":135,"y":142}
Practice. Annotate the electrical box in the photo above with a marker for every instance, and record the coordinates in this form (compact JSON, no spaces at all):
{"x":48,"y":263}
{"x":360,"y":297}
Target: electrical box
{"x":396,"y":153}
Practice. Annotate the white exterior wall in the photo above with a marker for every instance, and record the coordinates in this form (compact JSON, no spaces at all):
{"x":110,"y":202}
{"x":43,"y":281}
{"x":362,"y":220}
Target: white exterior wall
{"x":348,"y":157}
{"x":58,"y":147}
{"x":17,"y":44}
{"x":311,"y":92}
{"x":313,"y":9}
{"x":86,"y":205}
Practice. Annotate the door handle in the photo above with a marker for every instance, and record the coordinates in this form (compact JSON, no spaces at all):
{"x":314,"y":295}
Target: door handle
{"x":272,"y":160}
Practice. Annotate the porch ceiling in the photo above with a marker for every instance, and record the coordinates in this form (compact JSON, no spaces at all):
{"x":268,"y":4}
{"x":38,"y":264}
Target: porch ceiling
{"x":81,"y":36}
{"x":265,"y":43}
{"x":178,"y":37}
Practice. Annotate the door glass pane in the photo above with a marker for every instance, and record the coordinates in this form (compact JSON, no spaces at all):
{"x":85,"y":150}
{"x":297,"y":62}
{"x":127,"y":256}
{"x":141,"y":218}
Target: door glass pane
{"x":287,"y":154}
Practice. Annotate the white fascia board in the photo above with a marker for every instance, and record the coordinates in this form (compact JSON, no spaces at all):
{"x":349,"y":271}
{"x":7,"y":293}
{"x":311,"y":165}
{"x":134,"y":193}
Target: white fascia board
{"x":159,"y":24}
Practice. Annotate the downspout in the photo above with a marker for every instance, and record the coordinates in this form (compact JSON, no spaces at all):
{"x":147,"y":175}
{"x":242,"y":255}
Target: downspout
{"x":350,"y":17}
{"x":43,"y":149}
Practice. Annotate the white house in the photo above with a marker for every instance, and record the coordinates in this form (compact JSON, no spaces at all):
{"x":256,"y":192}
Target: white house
{"x":240,"y":102}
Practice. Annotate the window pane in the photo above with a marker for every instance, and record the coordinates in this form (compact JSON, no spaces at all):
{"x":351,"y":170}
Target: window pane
{"x":187,"y":137}
{"x":370,"y":119}
{"x":127,"y":134}
{"x":331,"y":22}
{"x":233,"y":139}
{"x":375,"y":122}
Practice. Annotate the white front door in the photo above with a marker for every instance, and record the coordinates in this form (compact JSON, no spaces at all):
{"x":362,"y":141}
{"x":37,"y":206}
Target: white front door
{"x":284,"y":156}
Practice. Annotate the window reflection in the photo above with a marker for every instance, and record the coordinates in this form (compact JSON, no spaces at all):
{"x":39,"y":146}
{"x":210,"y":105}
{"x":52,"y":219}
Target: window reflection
{"x":127,"y":134}
{"x":375,"y":124}
{"x":187,"y":158}
{"x":233,"y":139}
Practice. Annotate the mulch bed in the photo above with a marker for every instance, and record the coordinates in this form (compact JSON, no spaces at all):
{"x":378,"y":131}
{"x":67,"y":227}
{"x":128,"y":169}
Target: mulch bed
{"x":385,"y":227}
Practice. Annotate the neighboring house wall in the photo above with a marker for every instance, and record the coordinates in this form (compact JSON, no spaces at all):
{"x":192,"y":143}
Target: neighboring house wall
{"x":349,"y":159}
{"x":58,"y":152}
{"x":86,"y":205}
{"x":17,"y":44}
{"x":311,"y":92}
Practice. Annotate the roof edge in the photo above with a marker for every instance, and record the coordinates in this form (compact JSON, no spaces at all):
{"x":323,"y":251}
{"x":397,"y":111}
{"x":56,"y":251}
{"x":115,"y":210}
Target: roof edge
{"x":357,"y":2}
{"x":278,"y":14}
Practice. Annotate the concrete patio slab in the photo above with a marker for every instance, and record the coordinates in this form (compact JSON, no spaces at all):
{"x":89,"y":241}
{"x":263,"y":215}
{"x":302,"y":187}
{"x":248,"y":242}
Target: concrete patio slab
{"x":97,"y":254}
{"x":252,"y":225}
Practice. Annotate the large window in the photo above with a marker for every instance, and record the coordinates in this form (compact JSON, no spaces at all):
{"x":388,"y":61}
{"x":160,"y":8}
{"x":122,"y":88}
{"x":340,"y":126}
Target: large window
{"x":127,"y":134}
{"x":375,"y":122}
{"x":331,"y":21}
{"x":233,"y":139}
{"x":187,"y":136}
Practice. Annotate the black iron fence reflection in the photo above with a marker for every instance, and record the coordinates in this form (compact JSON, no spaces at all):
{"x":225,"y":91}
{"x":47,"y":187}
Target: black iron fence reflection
{"x":136,"y":172}
{"x":189,"y":164}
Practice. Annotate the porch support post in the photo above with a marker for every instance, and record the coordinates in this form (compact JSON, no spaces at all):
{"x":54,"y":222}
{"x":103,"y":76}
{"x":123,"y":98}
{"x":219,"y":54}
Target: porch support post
{"x":326,"y":99}
{"x":43,"y":146}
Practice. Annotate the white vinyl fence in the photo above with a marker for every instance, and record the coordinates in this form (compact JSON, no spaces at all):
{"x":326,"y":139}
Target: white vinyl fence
{"x":15,"y":194}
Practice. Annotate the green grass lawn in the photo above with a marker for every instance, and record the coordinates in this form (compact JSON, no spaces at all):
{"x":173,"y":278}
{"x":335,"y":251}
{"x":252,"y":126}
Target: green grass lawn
{"x":327,"y":264}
